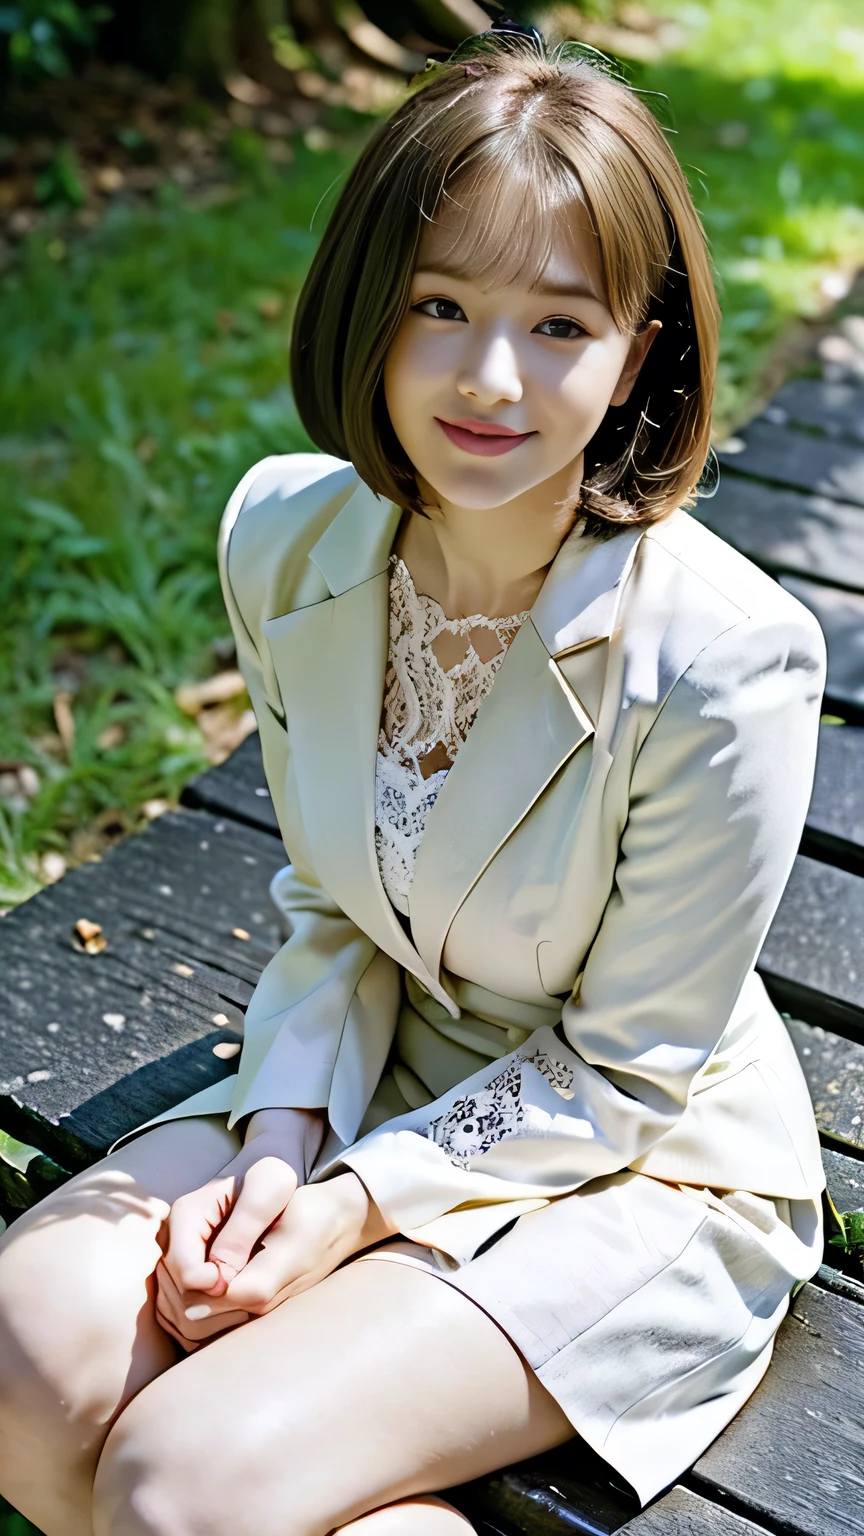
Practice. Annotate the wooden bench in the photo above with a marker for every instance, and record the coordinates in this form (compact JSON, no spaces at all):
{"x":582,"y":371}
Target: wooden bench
{"x":92,"y":1044}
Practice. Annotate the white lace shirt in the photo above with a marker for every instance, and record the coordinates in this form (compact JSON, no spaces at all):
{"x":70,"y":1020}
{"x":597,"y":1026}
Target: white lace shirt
{"x":427,"y":709}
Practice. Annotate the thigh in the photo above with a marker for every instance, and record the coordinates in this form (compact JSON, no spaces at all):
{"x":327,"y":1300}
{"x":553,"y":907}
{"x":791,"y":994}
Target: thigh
{"x":379,"y":1383}
{"x":75,"y":1270}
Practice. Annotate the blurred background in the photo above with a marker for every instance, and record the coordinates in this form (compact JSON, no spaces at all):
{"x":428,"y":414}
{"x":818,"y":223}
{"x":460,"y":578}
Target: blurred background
{"x":166,"y":170}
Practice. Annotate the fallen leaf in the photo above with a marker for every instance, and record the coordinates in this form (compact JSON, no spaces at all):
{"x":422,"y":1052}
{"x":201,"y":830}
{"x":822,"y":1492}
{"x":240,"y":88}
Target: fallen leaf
{"x":64,"y":719}
{"x":155,"y":808}
{"x":112,"y":736}
{"x":52,"y":867}
{"x":223,"y":730}
{"x":240,"y":933}
{"x":88,"y":937}
{"x":218,"y":689}
{"x":109,"y":178}
{"x":270,"y":307}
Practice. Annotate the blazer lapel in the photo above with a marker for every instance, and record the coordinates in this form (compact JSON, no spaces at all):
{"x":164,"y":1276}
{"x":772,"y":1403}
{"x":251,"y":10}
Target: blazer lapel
{"x":550,"y":698}
{"x":330,"y":660}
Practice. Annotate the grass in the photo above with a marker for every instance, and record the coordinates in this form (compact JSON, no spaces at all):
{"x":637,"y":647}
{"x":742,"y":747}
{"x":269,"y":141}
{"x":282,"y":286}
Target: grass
{"x":767,"y":104}
{"x":13,"y":1524}
{"x":145,"y":370}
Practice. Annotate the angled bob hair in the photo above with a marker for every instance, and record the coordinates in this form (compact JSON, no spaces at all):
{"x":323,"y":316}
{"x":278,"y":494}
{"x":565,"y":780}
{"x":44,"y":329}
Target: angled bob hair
{"x":525,"y":133}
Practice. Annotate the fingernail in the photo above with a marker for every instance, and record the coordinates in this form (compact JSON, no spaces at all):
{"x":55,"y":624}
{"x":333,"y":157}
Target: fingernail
{"x":197,"y":1314}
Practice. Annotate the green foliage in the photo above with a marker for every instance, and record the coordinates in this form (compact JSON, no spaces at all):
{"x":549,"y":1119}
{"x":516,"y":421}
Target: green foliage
{"x":764,"y":108}
{"x":145,"y":369}
{"x":60,"y":182}
{"x":141,"y":379}
{"x":850,"y":1233}
{"x":48,"y":37}
{"x":13,"y":1524}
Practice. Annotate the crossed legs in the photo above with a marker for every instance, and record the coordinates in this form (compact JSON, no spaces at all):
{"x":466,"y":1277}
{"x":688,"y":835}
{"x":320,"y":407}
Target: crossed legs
{"x":341,"y":1410}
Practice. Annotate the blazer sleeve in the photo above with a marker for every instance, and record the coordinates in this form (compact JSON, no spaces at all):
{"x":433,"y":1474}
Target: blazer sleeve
{"x":718,"y":798}
{"x":297,"y":1013}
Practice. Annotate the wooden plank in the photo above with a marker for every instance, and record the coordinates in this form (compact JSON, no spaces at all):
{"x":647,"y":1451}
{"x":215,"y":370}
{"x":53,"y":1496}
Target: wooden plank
{"x":811,"y":960}
{"x":835,"y":819}
{"x":821,"y":465}
{"x":681,"y":1513}
{"x":793,"y":1454}
{"x":92,"y":1045}
{"x":845,"y":1179}
{"x":834,"y":1069}
{"x":787,"y":531}
{"x":237,"y":788}
{"x":841,"y":615}
{"x":835,"y":408}
{"x":790,"y":1457}
{"x":566,"y":1491}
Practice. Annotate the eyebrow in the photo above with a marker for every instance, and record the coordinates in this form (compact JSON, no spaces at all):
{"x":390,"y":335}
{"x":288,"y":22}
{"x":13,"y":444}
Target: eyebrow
{"x":546,"y":289}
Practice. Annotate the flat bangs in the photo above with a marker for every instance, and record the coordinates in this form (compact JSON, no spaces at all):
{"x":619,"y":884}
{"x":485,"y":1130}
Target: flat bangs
{"x":505,"y":211}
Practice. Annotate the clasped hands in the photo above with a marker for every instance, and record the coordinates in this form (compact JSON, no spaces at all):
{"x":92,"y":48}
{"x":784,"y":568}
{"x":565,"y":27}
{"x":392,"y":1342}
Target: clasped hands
{"x":257,"y":1234}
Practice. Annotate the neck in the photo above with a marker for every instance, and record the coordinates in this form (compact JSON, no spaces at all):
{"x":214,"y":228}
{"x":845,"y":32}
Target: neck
{"x":491,"y":560}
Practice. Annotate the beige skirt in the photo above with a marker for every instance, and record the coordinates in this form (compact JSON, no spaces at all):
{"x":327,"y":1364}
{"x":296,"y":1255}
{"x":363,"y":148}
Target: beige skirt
{"x":647,"y":1310}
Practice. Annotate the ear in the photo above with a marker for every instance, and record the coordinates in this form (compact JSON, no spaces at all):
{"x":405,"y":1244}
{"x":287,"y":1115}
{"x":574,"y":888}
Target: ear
{"x":639,"y":345}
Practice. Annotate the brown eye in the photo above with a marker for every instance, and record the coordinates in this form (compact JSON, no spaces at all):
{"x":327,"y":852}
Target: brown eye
{"x":564,"y":323}
{"x":439,"y":306}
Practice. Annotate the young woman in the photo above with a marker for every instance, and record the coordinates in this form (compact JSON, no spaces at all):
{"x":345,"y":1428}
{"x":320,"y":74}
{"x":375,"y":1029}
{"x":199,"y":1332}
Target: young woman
{"x":518,"y":1147}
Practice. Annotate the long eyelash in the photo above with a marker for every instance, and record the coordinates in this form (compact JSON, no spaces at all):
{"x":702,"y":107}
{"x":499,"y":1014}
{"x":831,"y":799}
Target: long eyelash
{"x":568,"y":320}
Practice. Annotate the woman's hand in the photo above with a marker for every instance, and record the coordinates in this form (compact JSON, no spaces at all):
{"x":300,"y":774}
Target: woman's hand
{"x":214,"y":1229}
{"x":251,"y":1238}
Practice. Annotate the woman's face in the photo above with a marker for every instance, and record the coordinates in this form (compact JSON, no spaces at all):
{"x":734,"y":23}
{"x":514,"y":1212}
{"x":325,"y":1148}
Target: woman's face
{"x":544,"y":364}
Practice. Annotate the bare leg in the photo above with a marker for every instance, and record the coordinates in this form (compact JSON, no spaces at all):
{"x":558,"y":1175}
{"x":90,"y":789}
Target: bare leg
{"x":78,"y":1335}
{"x":381,"y":1383}
{"x":411,"y":1517}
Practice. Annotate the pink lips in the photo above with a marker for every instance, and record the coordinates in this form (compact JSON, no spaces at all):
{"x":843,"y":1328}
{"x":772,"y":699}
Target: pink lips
{"x":486,"y":439}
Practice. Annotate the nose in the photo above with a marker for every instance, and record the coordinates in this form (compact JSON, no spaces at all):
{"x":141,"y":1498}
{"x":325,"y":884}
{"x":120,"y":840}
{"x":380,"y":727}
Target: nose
{"x":491,"y":372}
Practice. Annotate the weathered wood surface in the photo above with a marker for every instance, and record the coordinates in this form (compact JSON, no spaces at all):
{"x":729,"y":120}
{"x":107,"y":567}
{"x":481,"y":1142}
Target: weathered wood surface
{"x":93,"y":1045}
{"x":812,"y":960}
{"x":834,"y":1069}
{"x":835,"y":820}
{"x":794,"y":1453}
{"x":136,"y":1024}
{"x":569,"y":1490}
{"x":841,"y":615}
{"x":823,"y":466}
{"x":845,"y":1179}
{"x":788,"y":532}
{"x":812,"y":955}
{"x":791,"y":1456}
{"x":237,"y":788}
{"x":681,"y":1513}
{"x":833,"y":408}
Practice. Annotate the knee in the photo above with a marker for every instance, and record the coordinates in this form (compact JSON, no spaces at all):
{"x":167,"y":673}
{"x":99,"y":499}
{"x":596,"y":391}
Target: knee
{"x":173,"y":1468}
{"x":71,"y":1293}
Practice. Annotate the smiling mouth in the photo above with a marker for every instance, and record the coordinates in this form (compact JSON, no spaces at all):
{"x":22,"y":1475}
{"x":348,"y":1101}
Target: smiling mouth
{"x":486,"y":440}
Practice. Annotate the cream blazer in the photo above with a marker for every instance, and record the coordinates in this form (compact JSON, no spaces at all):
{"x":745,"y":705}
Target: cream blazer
{"x":596,"y":878}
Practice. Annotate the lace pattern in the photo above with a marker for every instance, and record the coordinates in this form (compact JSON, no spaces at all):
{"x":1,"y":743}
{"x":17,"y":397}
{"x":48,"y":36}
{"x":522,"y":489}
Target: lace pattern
{"x":477,"y":1122}
{"x":425,"y":706}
